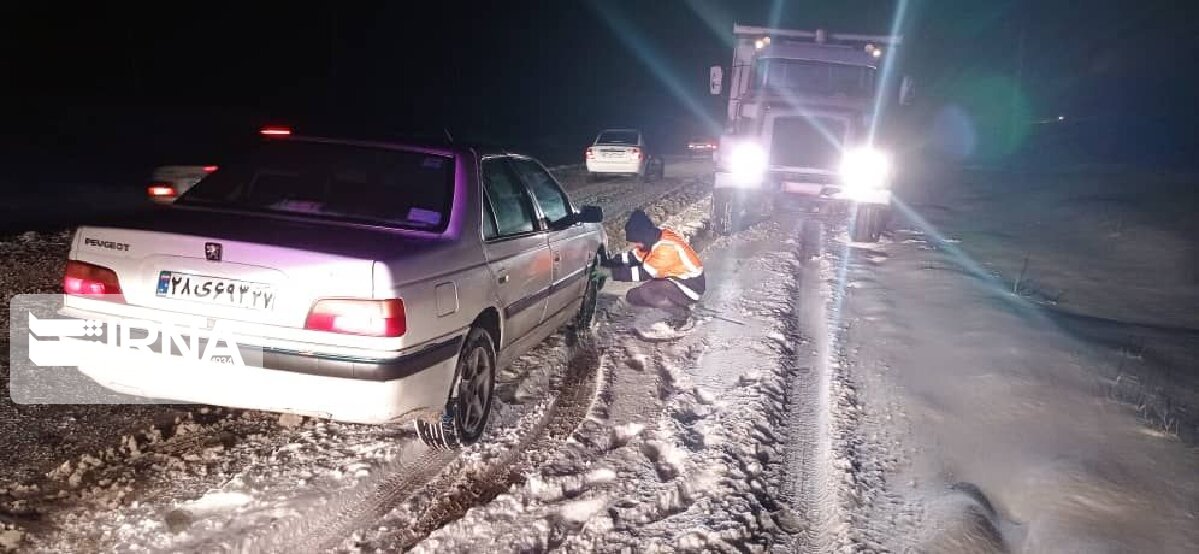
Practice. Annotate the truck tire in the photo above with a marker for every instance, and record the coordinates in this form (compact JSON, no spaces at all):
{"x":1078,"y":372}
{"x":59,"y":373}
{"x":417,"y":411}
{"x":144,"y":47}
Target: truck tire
{"x":469,"y":405}
{"x":724,"y":216}
{"x":868,"y":222}
{"x":811,"y":237}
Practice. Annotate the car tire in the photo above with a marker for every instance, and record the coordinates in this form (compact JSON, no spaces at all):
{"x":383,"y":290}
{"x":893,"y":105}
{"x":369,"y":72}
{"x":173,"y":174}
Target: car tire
{"x":868,"y":223}
{"x":471,"y":396}
{"x":592,"y":177}
{"x":581,"y":326}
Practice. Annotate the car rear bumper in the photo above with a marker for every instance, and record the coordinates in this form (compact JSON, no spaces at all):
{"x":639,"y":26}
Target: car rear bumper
{"x":421,"y":392}
{"x":614,"y":166}
{"x":368,"y":387}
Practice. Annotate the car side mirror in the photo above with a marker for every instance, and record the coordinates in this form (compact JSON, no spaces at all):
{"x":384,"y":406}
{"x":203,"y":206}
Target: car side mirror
{"x":591,"y":214}
{"x":586,"y":214}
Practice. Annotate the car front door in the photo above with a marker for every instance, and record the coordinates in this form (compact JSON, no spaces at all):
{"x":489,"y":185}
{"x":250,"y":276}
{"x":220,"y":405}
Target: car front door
{"x":573,"y":246}
{"x":515,"y":243}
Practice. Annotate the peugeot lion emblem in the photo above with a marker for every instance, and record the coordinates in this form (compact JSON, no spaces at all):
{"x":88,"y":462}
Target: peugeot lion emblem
{"x":212,"y":251}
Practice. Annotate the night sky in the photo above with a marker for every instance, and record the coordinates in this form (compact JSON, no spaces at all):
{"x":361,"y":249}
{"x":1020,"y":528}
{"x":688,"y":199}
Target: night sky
{"x":96,"y":90}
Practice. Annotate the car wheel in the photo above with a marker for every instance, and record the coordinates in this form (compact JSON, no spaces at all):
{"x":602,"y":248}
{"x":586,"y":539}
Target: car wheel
{"x":469,"y":406}
{"x":583,"y":322}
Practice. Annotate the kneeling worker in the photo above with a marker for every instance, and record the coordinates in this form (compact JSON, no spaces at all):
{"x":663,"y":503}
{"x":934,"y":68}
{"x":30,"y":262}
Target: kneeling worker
{"x":672,"y":271}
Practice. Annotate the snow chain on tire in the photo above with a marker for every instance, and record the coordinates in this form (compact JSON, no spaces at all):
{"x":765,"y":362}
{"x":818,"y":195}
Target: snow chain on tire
{"x":445,"y":433}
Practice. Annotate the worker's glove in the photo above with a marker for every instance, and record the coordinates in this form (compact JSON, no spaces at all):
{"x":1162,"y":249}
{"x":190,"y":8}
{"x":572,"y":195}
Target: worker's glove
{"x":609,"y":261}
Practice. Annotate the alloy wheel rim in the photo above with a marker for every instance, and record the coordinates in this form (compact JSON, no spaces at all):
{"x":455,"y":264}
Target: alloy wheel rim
{"x":475,"y":391}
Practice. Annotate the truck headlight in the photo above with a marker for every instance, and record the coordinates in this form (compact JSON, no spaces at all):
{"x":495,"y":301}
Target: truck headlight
{"x":865,"y":169}
{"x":747,"y":160}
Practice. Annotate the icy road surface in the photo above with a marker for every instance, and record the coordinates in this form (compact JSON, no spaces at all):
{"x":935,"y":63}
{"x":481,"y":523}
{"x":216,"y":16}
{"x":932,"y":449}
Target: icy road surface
{"x":99,"y":477}
{"x":963,"y":387}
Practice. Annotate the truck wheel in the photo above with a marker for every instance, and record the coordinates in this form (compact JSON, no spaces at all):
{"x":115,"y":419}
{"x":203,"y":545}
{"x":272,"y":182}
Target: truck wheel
{"x":811,"y":237}
{"x":722,"y":212}
{"x":868,"y":223}
{"x":469,"y":406}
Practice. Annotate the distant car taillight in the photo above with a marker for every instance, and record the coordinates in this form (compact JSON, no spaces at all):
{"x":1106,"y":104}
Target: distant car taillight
{"x":161,"y":190}
{"x":84,"y":279}
{"x":376,"y":318}
{"x":211,"y":168}
{"x":636,"y":152}
{"x":275,"y":131}
{"x":590,"y":153}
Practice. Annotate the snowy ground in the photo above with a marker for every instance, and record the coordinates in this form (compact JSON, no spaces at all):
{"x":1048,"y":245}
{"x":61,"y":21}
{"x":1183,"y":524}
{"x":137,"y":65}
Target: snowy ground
{"x":932,"y":393}
{"x":170,"y":477}
{"x":1023,"y":401}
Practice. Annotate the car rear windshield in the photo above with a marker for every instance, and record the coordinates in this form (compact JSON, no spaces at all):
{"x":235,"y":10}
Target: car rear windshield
{"x":332,"y":181}
{"x":617,"y":137}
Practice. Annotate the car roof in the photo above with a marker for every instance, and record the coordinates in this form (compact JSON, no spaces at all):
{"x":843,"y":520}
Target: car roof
{"x":427,"y":145}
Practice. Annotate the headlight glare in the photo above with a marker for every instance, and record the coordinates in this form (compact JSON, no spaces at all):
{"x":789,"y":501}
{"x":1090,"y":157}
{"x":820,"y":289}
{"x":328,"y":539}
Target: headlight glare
{"x":865,"y":168}
{"x":747,"y":160}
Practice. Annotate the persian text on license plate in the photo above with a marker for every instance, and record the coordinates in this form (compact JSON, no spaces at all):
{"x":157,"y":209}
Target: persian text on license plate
{"x":215,"y":290}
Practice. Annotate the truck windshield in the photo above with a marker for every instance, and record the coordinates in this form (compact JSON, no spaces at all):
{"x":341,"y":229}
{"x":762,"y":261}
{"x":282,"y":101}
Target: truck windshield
{"x":333,"y":181}
{"x":818,"y":78}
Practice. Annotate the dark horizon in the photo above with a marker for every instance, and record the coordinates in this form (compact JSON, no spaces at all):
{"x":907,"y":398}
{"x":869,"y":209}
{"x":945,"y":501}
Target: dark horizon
{"x":110,"y":90}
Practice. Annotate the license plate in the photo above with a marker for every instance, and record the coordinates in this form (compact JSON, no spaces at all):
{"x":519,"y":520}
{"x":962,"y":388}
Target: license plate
{"x":613,"y":154}
{"x":806,"y":188}
{"x":215,"y":290}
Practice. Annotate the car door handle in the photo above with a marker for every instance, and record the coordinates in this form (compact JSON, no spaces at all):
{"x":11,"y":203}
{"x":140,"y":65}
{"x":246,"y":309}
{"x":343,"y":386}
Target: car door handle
{"x":502,"y":278}
{"x":557,"y":256}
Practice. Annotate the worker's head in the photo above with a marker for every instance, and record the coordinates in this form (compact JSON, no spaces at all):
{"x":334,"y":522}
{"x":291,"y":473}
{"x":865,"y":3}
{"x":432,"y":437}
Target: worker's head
{"x":641,"y":231}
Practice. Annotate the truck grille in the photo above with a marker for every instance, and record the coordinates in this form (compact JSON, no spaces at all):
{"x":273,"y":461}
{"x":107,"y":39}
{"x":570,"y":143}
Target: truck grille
{"x":807,"y":142}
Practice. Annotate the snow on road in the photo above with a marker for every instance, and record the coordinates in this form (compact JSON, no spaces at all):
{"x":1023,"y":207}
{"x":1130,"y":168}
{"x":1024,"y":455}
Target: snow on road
{"x":165,"y":477}
{"x":998,"y":426}
{"x":935,"y":393}
{"x":683,"y":447}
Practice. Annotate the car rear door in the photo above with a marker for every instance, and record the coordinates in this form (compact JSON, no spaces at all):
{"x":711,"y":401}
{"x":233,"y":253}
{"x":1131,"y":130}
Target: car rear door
{"x":516,"y":247}
{"x":573,"y":247}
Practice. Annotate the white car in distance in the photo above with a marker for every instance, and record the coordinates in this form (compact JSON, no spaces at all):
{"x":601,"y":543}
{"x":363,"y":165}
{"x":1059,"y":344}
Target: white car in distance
{"x":622,"y":152}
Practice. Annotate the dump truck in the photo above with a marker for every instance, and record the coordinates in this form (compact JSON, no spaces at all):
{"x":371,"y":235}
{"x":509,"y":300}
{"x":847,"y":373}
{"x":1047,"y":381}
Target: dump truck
{"x":805,"y":109}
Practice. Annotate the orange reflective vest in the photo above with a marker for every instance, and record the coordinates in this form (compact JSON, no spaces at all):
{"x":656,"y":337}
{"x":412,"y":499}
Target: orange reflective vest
{"x":669,"y":258}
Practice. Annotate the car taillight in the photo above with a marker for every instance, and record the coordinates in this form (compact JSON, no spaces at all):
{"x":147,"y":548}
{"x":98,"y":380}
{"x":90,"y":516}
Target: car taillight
{"x":161,"y":190}
{"x":636,"y":152}
{"x":211,"y":168}
{"x":590,"y":153}
{"x":275,"y":131}
{"x":376,"y":318}
{"x":84,"y":279}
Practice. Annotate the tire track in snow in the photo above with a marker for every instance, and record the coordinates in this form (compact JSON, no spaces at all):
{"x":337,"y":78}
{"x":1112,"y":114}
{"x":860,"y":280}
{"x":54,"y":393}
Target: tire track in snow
{"x":570,"y":399}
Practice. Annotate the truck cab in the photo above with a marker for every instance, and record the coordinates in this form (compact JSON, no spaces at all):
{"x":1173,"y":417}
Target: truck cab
{"x":802,"y":123}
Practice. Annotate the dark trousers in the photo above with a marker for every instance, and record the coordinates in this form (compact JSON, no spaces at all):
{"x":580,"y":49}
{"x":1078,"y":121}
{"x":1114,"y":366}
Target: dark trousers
{"x":662,"y":294}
